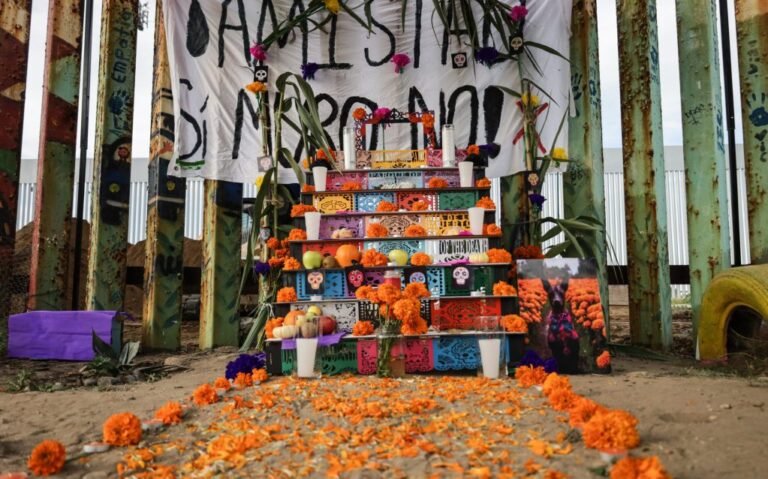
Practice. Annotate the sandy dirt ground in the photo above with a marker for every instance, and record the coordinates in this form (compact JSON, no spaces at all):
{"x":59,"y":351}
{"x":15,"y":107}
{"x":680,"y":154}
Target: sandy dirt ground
{"x":701,"y":424}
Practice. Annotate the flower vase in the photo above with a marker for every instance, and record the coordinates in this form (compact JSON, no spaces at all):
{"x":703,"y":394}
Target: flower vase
{"x":390,"y":357}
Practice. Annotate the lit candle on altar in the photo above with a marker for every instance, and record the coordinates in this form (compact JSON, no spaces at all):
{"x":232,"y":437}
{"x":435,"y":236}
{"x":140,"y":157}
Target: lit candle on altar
{"x":348,"y":145}
{"x":449,"y":146}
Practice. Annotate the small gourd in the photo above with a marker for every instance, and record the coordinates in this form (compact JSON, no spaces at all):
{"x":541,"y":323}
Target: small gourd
{"x":478,"y":258}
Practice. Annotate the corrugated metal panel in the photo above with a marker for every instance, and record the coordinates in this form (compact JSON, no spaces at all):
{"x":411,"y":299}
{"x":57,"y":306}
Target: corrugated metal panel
{"x":553,"y":191}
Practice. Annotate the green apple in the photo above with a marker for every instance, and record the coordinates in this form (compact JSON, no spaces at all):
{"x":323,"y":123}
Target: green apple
{"x":314,"y":311}
{"x":398,"y":256}
{"x":312,"y":259}
{"x":300,"y":320}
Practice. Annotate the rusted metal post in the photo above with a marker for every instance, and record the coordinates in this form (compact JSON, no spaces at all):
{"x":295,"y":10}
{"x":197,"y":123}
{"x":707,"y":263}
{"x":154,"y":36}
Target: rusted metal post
{"x":650,"y":308}
{"x":752,"y":35}
{"x":105,"y":288}
{"x":14,"y":49}
{"x":584,"y":188}
{"x":50,"y":267}
{"x":222,"y":226}
{"x":163,"y":267}
{"x":708,"y":241}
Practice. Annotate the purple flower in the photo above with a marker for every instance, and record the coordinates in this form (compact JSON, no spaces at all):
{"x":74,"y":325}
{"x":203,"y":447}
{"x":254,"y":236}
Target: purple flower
{"x":259,"y":52}
{"x":487,"y":55}
{"x":400,"y":60}
{"x":381,"y":114}
{"x":550,"y":365}
{"x":531,"y":358}
{"x":490,"y":150}
{"x":245,"y":363}
{"x":261,"y":268}
{"x":518,"y":13}
{"x":308,"y":70}
{"x":537,"y":200}
{"x":465,"y":233}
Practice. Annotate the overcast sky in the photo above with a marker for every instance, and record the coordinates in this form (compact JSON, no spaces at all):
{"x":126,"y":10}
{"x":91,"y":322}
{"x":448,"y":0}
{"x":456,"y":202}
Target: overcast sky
{"x":670,"y":82}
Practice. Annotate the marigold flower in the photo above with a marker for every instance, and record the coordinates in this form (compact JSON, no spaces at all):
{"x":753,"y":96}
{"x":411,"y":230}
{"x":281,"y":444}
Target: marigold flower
{"x":437,"y":183}
{"x":528,"y":376}
{"x":259,"y":375}
{"x":359,"y":114}
{"x":407,"y":309}
{"x":362,"y":328}
{"x":276,"y":262}
{"x":562,"y":399}
{"x":243,"y":380}
{"x":351,"y":186}
{"x":483,"y":183}
{"x":222,"y":383}
{"x":492,"y":230}
{"x":388,"y":293}
{"x":486,"y":202}
{"x":502,"y":288}
{"x":366,"y":293}
{"x":473,"y":150}
{"x":513,"y":323}
{"x":271,"y":325}
{"x":604,"y":360}
{"x":419,"y":205}
{"x":273,"y":243}
{"x":499,"y":255}
{"x":300,"y":209}
{"x":417,"y":326}
{"x":124,"y":429}
{"x":259,"y":52}
{"x":417,"y":291}
{"x":297,"y":234}
{"x":639,"y":468}
{"x":256,"y":87}
{"x":528,"y":252}
{"x":47,"y":458}
{"x":415,"y":231}
{"x":320,"y":154}
{"x":371,"y":257}
{"x":421,"y":259}
{"x":612,"y":430}
{"x":308,"y":188}
{"x":376,"y":230}
{"x":291,"y":264}
{"x":554,"y":382}
{"x":559,"y":154}
{"x":286,"y":295}
{"x":530,"y":100}
{"x":582,"y":411}
{"x":332,"y":6}
{"x":204,"y":395}
{"x":170,"y":413}
{"x":428,"y":121}
{"x":598,"y":324}
{"x":386,"y":206}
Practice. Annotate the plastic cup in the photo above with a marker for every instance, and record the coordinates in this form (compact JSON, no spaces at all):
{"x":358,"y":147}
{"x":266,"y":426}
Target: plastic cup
{"x":319,"y":173}
{"x":312,"y":221}
{"x":476,"y":220}
{"x":465,"y":173}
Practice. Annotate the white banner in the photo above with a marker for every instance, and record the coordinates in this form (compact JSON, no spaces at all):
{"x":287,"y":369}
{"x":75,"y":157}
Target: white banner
{"x":217,"y":133}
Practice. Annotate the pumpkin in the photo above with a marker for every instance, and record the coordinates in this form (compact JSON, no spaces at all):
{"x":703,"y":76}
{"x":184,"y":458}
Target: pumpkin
{"x":478,"y":257}
{"x":290,"y":318}
{"x":347,"y":254}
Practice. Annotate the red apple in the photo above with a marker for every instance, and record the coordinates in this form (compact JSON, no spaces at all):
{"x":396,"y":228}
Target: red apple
{"x":327,"y":325}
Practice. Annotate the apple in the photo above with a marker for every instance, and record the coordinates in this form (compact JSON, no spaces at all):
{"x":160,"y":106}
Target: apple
{"x":314,"y":311}
{"x":312,"y":260}
{"x":398,"y":256}
{"x":327,"y":325}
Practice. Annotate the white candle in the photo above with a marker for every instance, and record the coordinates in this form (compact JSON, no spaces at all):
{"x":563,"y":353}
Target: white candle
{"x":449,"y":146}
{"x":490,"y":353}
{"x":466,"y":169}
{"x":476,"y":219}
{"x":306,"y":349}
{"x":350,"y":153}
{"x":312,"y":223}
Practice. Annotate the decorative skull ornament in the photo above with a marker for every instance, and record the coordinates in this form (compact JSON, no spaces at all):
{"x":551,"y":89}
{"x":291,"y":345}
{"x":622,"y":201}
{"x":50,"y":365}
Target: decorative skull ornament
{"x":261,"y":74}
{"x":315,"y":280}
{"x":356,"y":278}
{"x":459,"y":60}
{"x":418,"y":277}
{"x":461,"y":276}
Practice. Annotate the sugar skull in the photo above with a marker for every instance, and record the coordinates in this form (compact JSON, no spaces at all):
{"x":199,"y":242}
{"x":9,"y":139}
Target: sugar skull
{"x":356,"y":278}
{"x":315,"y":280}
{"x":418,"y":277}
{"x":461,"y":276}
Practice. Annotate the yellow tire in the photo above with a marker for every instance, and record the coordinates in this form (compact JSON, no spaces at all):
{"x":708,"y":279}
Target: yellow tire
{"x":736,"y":293}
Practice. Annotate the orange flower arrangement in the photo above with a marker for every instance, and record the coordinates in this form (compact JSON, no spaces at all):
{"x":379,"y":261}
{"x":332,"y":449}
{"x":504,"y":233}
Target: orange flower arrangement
{"x":300,"y":209}
{"x":598,"y":324}
{"x":388,"y":293}
{"x":222,"y":383}
{"x":297,"y":234}
{"x":532,"y":299}
{"x":407,"y":309}
{"x":367,"y":293}
{"x":256,"y":87}
{"x":612,"y":430}
{"x":320,"y":154}
{"x":362,"y":328}
{"x":170,"y":413}
{"x":386,"y":206}
{"x":124,"y":429}
{"x":562,"y":399}
{"x":276,"y":263}
{"x":437,"y":183}
{"x":582,"y":411}
{"x":47,"y":458}
{"x":421,"y":259}
{"x":308,"y":188}
{"x":583,"y":296}
{"x":473,"y":150}
{"x":286,"y":295}
{"x":351,"y":186}
{"x":499,"y":255}
{"x":528,"y":252}
{"x":639,"y":468}
{"x":492,"y":230}
{"x":273,"y":243}
{"x":528,"y":376}
{"x":417,"y":291}
{"x":415,"y":231}
{"x":419,"y":205}
{"x":359,"y":114}
{"x":204,"y":395}
{"x":271,"y":325}
{"x":415,"y":327}
{"x":483,"y":183}
{"x":486,"y":202}
{"x":376,"y":230}
{"x":428,"y":120}
{"x":243,"y":380}
{"x":604,"y":360}
{"x":513,"y":323}
{"x":371,"y":257}
{"x":259,"y":375}
{"x":291,"y":264}
{"x":554,"y":382}
{"x":502,"y":288}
